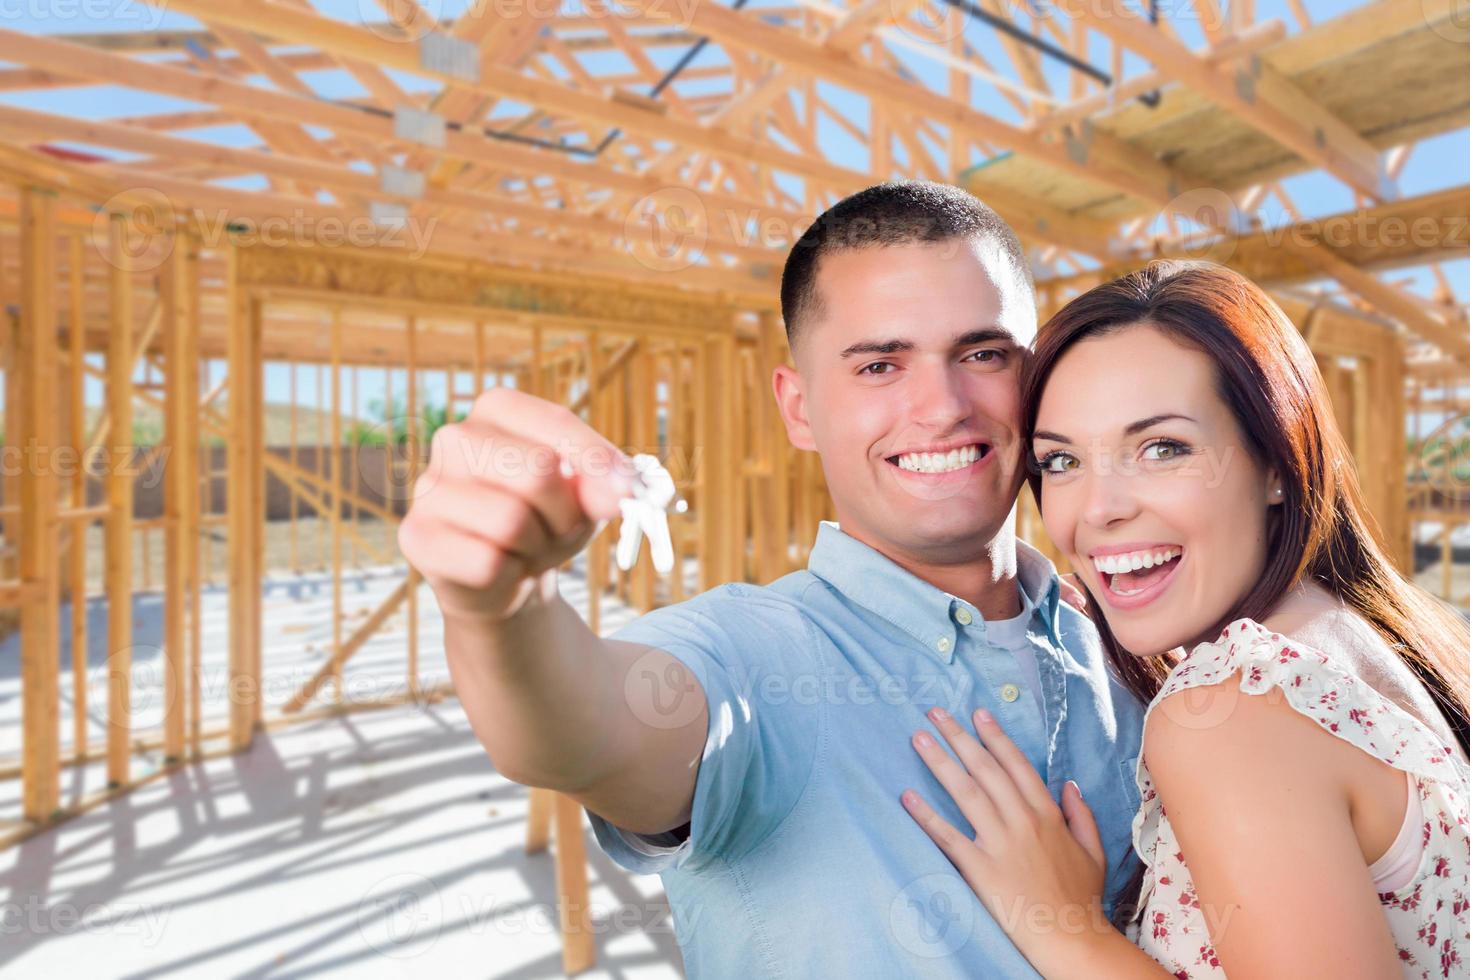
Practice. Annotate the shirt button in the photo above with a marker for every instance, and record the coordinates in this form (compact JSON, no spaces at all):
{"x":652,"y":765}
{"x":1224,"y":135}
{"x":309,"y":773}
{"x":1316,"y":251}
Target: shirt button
{"x":942,"y":645}
{"x":964,"y":617}
{"x":1010,"y":692}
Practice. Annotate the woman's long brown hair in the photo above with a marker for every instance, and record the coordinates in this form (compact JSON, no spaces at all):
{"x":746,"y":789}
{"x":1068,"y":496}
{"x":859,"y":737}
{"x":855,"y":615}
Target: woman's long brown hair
{"x":1322,"y":532}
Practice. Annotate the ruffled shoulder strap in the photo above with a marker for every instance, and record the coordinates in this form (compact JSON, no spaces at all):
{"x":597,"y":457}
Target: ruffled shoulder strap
{"x":1324,"y":690}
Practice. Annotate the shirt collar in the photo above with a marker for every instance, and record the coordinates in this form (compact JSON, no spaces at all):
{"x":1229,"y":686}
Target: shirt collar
{"x":879,"y":585}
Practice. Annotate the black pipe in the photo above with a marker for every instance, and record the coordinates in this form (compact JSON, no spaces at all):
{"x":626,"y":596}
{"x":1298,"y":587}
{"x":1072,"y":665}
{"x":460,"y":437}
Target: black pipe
{"x":1150,"y":99}
{"x":668,"y":78}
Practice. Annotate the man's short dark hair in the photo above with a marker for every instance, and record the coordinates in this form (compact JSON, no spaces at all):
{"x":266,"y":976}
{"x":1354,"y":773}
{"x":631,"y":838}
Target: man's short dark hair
{"x":903,"y":212}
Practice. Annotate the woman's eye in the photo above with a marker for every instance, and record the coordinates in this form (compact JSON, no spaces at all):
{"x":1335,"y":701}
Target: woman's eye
{"x":1058,"y":463}
{"x":1165,"y":449}
{"x":868,"y":368}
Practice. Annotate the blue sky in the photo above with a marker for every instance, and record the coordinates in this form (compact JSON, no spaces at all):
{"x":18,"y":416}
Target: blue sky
{"x":1434,"y":165}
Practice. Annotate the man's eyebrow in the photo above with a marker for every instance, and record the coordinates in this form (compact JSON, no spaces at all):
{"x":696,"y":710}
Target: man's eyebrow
{"x":879,"y":347}
{"x":898,"y":346}
{"x":983,"y":336}
{"x":1132,"y":429}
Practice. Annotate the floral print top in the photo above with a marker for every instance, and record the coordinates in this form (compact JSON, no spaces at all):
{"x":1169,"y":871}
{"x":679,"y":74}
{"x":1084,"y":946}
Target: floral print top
{"x":1429,"y":917}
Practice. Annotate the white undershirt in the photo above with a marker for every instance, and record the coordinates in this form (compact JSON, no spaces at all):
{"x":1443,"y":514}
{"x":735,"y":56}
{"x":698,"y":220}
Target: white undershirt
{"x":1013,"y":635}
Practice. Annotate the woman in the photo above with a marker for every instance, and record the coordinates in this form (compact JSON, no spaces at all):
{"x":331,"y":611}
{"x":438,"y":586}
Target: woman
{"x":1304,"y":796}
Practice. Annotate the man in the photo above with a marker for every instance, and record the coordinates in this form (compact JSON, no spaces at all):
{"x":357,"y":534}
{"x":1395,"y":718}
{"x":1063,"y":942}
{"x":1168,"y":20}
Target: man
{"x":750,"y":745}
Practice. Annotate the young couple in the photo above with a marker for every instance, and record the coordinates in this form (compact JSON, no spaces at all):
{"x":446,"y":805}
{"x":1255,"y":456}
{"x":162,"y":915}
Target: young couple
{"x":911,"y":758}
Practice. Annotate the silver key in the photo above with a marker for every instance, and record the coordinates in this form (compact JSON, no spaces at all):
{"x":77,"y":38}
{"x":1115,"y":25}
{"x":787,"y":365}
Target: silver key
{"x":645,"y":514}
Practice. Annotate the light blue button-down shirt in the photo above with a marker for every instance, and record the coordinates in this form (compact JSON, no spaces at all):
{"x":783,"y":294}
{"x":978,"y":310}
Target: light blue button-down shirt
{"x":800,"y":860}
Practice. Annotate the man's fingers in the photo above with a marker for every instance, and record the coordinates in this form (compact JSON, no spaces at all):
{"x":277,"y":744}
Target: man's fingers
{"x":601,"y":473}
{"x":502,"y":519}
{"x":447,"y":554}
{"x":513,"y":490}
{"x":474,"y":453}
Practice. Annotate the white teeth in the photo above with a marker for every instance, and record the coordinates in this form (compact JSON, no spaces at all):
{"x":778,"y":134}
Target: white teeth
{"x":1134,"y":560}
{"x":939,"y":462}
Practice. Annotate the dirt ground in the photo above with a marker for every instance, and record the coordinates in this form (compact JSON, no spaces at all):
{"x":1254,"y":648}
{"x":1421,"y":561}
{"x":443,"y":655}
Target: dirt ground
{"x":312,"y":551}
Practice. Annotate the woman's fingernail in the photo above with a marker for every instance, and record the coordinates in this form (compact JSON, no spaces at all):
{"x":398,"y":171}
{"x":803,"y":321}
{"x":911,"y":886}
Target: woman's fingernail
{"x":909,"y":797}
{"x":938,"y":714}
{"x":923,"y":739}
{"x":982,"y":715}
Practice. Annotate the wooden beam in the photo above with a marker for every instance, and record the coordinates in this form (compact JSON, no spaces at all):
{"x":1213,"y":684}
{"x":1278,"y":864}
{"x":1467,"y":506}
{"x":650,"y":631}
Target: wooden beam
{"x":1391,"y":302}
{"x":193,"y":525}
{"x":36,"y":125}
{"x":180,"y":408}
{"x":578,"y":947}
{"x":39,"y":647}
{"x":1254,"y":91}
{"x":337,"y":477}
{"x":120,"y":361}
{"x":726,"y":215}
{"x":242,"y":500}
{"x":252,"y":102}
{"x":412,"y":450}
{"x":301,"y":27}
{"x":1406,"y":232}
{"x":74,"y":535}
{"x":1095,"y":156}
{"x":600,"y":377}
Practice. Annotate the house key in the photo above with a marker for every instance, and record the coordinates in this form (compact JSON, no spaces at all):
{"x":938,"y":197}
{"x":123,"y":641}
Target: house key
{"x":645,"y":514}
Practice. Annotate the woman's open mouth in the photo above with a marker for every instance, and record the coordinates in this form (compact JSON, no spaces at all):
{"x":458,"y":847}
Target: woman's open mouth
{"x":1136,"y":578}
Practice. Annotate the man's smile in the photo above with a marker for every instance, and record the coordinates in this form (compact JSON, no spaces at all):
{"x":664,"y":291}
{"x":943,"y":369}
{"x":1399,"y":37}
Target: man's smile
{"x":942,"y":459}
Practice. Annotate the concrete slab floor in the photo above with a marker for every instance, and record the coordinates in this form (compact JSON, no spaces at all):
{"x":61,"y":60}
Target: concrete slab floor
{"x":381,"y":843}
{"x":377,"y":844}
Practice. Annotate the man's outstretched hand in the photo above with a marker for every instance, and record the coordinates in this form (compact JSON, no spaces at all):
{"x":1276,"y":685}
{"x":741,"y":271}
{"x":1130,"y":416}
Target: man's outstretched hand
{"x":512,"y":491}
